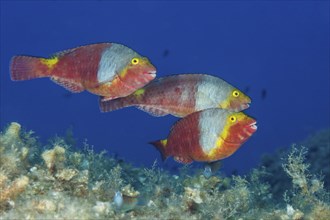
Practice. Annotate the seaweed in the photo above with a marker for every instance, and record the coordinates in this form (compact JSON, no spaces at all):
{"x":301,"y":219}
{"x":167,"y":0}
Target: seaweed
{"x":62,"y":181}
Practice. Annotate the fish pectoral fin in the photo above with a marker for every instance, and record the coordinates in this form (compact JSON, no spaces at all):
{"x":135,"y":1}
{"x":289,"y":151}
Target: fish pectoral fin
{"x":181,"y":159}
{"x":69,"y":85}
{"x":107,"y":98}
{"x":157,"y":112}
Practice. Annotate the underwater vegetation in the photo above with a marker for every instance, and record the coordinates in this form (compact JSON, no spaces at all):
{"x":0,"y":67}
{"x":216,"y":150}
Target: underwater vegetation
{"x":317,"y":151}
{"x":57,"y":181}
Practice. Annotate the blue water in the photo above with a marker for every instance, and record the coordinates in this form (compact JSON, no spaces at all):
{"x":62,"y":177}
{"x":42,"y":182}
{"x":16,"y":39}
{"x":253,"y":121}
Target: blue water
{"x":277,"y":51}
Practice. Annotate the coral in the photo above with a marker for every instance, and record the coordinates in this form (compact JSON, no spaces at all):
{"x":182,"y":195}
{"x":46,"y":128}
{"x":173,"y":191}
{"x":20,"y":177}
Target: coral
{"x":13,"y":131}
{"x":44,"y":206}
{"x":126,"y":199}
{"x":54,"y":158}
{"x":192,"y":198}
{"x":128,"y":190}
{"x":320,"y":211}
{"x":309,"y":193}
{"x":13,"y":152}
{"x":296,"y":168}
{"x":102,"y":209}
{"x":62,"y":183}
{"x":9,"y":191}
{"x":66,"y":174}
{"x":317,"y":153}
{"x":200,"y":181}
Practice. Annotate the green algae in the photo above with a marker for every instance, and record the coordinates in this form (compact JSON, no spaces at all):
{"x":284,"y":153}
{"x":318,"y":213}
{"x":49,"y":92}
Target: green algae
{"x":60,"y":182}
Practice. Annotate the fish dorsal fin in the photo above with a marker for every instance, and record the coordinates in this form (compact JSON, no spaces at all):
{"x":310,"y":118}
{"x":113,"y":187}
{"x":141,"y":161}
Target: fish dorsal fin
{"x":152,"y":110}
{"x":69,"y":85}
{"x":181,"y":159}
{"x":65,"y":52}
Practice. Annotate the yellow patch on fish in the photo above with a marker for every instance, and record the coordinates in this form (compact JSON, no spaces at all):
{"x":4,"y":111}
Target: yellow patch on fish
{"x":233,"y":118}
{"x":123,"y":73}
{"x":164,"y":142}
{"x":139,"y":92}
{"x":224,"y":134}
{"x":50,"y":62}
{"x":225,"y":104}
{"x":218,"y":144}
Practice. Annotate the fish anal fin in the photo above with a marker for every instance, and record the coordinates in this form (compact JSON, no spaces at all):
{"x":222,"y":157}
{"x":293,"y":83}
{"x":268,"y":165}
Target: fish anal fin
{"x":157,"y":112}
{"x":69,"y":85}
{"x":181,"y":159}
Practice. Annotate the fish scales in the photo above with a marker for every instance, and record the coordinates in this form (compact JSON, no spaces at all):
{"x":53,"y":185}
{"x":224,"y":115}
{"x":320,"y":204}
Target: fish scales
{"x":208,"y":135}
{"x":168,"y":93}
{"x":181,"y":95}
{"x":110,"y":70}
{"x":184,"y":139}
{"x":80,"y":64}
{"x":210,"y":90}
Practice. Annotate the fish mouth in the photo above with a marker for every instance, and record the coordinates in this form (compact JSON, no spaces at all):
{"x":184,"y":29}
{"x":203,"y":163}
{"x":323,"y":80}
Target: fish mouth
{"x":237,"y":107}
{"x":152,"y":73}
{"x":253,"y":126}
{"x":244,"y":106}
{"x":250,"y":128}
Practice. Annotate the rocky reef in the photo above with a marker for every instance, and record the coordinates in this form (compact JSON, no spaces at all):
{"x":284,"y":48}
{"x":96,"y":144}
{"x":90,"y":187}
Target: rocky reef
{"x":57,"y":182}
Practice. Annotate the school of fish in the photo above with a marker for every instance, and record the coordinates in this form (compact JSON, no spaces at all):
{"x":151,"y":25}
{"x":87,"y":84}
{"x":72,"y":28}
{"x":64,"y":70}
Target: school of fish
{"x":212,"y":125}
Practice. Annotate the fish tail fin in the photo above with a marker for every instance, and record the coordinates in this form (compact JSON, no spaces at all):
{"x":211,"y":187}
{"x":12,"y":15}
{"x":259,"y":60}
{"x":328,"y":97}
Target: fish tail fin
{"x":112,"y":104}
{"x":160,"y":145}
{"x":26,"y":67}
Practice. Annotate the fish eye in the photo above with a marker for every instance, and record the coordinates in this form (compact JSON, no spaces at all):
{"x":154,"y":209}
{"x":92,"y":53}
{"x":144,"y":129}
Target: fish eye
{"x":232,"y":119}
{"x":135,"y":61}
{"x":235,"y":93}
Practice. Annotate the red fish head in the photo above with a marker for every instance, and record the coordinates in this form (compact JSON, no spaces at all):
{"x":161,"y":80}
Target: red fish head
{"x":137,"y":74}
{"x":236,"y":101}
{"x":238,"y":129}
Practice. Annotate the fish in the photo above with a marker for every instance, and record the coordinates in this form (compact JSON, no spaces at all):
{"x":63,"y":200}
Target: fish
{"x":118,"y":199}
{"x":211,"y":168}
{"x":126,"y":199}
{"x":207,"y":173}
{"x":110,"y":70}
{"x":123,"y":202}
{"x":181,"y":95}
{"x":263,"y":94}
{"x":206,"y":136}
{"x":166,"y":53}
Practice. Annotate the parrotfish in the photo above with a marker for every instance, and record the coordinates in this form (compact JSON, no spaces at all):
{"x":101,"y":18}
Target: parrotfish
{"x":206,"y":136}
{"x":106,"y":69}
{"x":181,"y":95}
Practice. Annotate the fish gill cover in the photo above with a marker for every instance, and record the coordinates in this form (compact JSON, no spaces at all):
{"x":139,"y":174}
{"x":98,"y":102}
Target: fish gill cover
{"x":260,"y":53}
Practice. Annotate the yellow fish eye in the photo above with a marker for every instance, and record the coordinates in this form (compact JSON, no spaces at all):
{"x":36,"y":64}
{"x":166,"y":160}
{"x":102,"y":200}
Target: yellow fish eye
{"x":135,"y":61}
{"x":232,"y":119}
{"x":235,"y":93}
